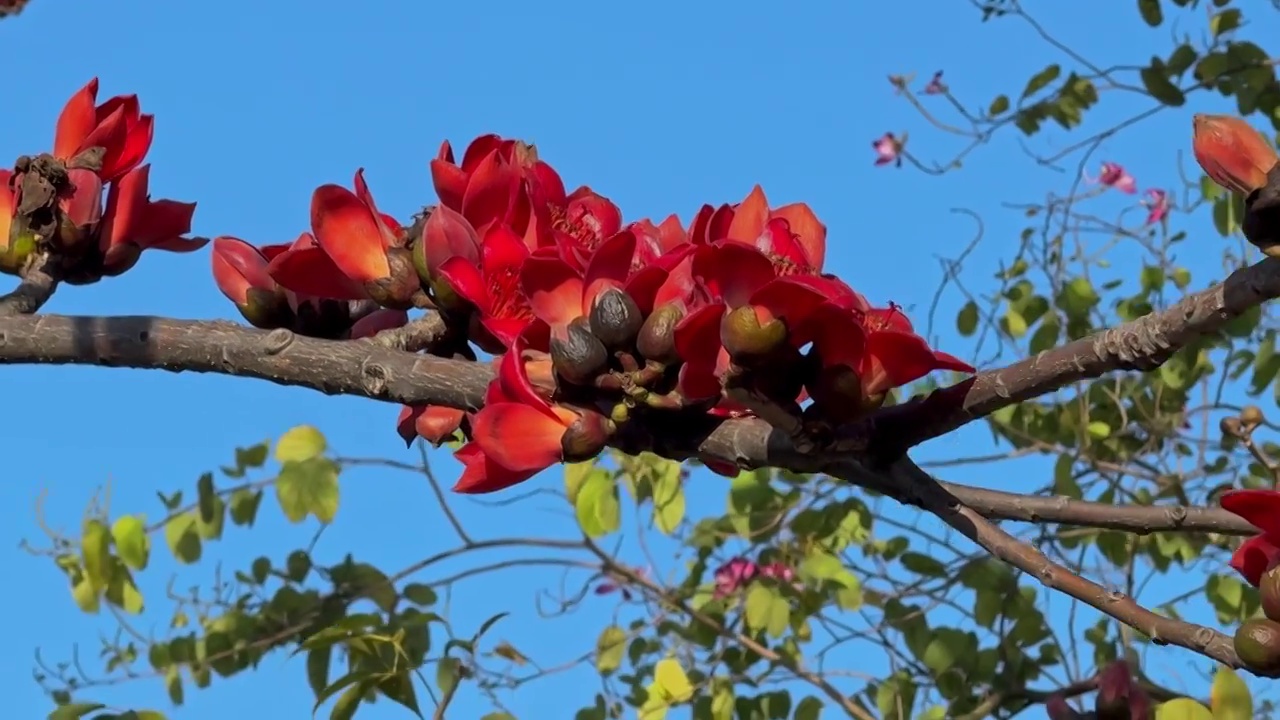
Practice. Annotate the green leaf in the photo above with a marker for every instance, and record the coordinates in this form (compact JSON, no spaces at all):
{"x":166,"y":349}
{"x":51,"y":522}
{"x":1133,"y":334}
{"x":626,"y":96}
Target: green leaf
{"x":173,"y":685}
{"x":308,"y":487}
{"x":399,"y":689}
{"x":1229,"y":696}
{"x":809,"y":708}
{"x":244,"y":506}
{"x":999,"y":106}
{"x":921,"y":564}
{"x":318,"y":668}
{"x":575,"y":474}
{"x":759,"y":606}
{"x":609,"y":649}
{"x":347,"y":703}
{"x":447,"y":674}
{"x":668,"y":496}
{"x":254,"y":456}
{"x":1041,"y":80}
{"x":1014,"y":323}
{"x":945,"y":648}
{"x":1098,"y":429}
{"x":1156,"y":80}
{"x":1046,"y":336}
{"x":1077,"y":298}
{"x":85,"y":595}
{"x":419,"y":594}
{"x":1151,"y":12}
{"x":967,"y":320}
{"x":133,"y":545}
{"x":355,"y":678}
{"x":673,"y":681}
{"x":300,"y":444}
{"x":597,"y":506}
{"x":1183,"y":709}
{"x":1224,"y":22}
{"x":95,"y":551}
{"x":123,"y":593}
{"x":74,"y":711}
{"x":183,"y":539}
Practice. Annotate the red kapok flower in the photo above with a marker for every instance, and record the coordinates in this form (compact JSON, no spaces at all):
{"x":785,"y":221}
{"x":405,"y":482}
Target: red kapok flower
{"x":494,"y":171}
{"x":559,"y":294}
{"x":351,"y":231}
{"x":117,"y":125}
{"x":1257,"y":555}
{"x":433,"y":423}
{"x":1232,"y":153}
{"x":790,"y":237}
{"x":446,"y":234}
{"x":306,"y":269}
{"x":656,"y":241}
{"x":133,"y":222}
{"x":896,"y":355}
{"x":493,"y":287}
{"x":239,"y":268}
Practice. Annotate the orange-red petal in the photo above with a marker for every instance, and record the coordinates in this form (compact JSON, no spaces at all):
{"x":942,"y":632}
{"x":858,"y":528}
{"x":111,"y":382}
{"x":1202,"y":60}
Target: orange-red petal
{"x":346,"y":228}
{"x":519,"y":437}
{"x":76,"y":121}
{"x":310,"y":271}
{"x":553,"y":288}
{"x":749,"y":217}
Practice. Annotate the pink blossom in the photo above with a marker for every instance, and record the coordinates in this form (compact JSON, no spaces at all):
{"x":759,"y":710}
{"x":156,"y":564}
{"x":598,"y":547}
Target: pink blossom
{"x":734,"y":575}
{"x":778,"y":571}
{"x":1114,"y":175}
{"x":935,"y":86}
{"x":888,"y":150}
{"x":1158,"y":205}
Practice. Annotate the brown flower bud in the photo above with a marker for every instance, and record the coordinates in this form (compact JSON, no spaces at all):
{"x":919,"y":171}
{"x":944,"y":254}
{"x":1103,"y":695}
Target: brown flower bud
{"x":657,"y":339}
{"x":747,"y":339}
{"x":1257,"y":642}
{"x":615,"y":319}
{"x":579,"y":356}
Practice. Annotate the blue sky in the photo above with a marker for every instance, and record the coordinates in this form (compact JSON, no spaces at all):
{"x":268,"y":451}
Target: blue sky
{"x":661,"y":106}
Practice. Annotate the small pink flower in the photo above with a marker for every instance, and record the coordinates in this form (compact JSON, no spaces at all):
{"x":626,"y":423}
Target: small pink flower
{"x":888,"y":150}
{"x":1114,"y":175}
{"x":1158,"y":205}
{"x":778,"y":571}
{"x":935,"y":86}
{"x":734,"y":575}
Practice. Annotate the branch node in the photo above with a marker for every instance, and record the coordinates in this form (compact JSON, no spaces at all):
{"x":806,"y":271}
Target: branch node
{"x":275,"y":342}
{"x":373,"y":377}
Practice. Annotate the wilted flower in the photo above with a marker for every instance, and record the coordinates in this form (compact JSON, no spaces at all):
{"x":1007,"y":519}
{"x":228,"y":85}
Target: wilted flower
{"x":935,"y":86}
{"x":1158,"y":205}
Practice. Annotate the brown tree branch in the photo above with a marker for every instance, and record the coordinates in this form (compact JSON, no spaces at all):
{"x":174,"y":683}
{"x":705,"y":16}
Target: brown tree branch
{"x":367,"y":368}
{"x":1142,"y":344}
{"x":37,"y":286}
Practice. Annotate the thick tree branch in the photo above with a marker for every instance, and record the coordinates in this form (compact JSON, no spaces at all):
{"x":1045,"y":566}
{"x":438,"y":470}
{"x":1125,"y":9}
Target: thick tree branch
{"x":367,"y":368}
{"x":1142,"y":344}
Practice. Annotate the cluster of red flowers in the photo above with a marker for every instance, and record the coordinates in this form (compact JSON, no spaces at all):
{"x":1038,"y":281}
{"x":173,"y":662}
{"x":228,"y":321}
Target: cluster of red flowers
{"x":594,"y":321}
{"x":55,"y":202}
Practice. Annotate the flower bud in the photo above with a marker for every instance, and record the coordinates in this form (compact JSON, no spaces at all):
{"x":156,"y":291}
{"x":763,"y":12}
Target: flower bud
{"x":397,"y":290}
{"x":578,"y":356}
{"x":586,"y":437}
{"x":657,"y":339}
{"x":1269,"y":591}
{"x":1115,"y":685}
{"x":615,"y":319}
{"x":1058,"y":709}
{"x":1232,"y":153}
{"x":747,"y":338}
{"x":1251,"y":416}
{"x":266,"y":309}
{"x":1257,"y":642}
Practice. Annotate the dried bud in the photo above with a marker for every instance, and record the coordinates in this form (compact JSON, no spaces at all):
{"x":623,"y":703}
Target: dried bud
{"x":749,"y":339}
{"x":1251,"y":416}
{"x":586,"y":437}
{"x":266,"y":309}
{"x":1257,"y":642}
{"x":1231,"y":426}
{"x":397,"y":290}
{"x":615,"y":319}
{"x":1232,"y":153}
{"x":1115,"y":687}
{"x":657,"y":340}
{"x":578,"y":356}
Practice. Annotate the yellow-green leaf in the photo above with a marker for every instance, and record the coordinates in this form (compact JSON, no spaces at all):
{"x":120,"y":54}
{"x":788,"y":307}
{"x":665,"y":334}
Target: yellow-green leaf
{"x":182,"y":538}
{"x":300,"y":443}
{"x":95,"y":551}
{"x":668,"y":496}
{"x":967,"y":320}
{"x":597,"y":506}
{"x":133,"y":545}
{"x":1183,"y":709}
{"x":1229,"y":696}
{"x":672,"y":679}
{"x":308,"y":486}
{"x":609,"y":649}
{"x":575,"y":474}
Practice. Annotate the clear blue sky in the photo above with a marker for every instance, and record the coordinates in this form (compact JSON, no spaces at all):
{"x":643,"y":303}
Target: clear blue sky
{"x":661,"y":106}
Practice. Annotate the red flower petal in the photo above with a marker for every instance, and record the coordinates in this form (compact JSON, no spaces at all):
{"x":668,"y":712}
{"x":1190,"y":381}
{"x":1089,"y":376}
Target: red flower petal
{"x":1261,"y":508}
{"x":478,"y":149}
{"x":237,"y":267}
{"x":811,"y":233}
{"x":166,"y":221}
{"x":465,"y":279}
{"x":310,"y":271}
{"x":490,"y":190}
{"x":553,"y":288}
{"x":450,"y":182}
{"x":732,"y":271}
{"x":82,"y":201}
{"x":749,"y":217}
{"x":377,"y":321}
{"x":482,"y":475}
{"x":894,"y":359}
{"x":609,"y":267}
{"x":447,"y":234}
{"x":76,"y":121}
{"x":520,"y":437}
{"x":1254,"y":558}
{"x":346,"y":228}
{"x":697,"y":336}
